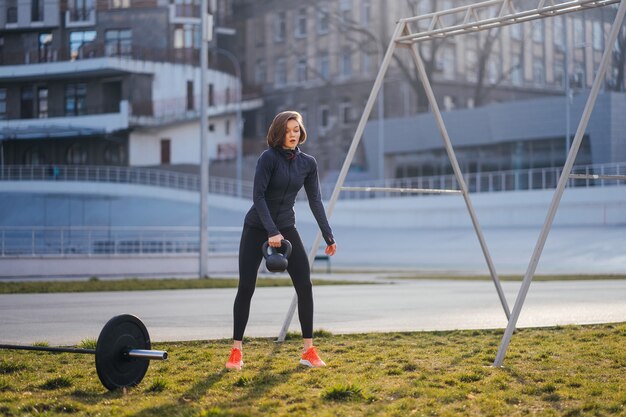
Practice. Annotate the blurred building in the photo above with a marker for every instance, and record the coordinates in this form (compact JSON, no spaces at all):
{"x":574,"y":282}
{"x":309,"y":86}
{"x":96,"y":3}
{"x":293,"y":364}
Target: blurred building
{"x":112,"y":82}
{"x":321,"y":58}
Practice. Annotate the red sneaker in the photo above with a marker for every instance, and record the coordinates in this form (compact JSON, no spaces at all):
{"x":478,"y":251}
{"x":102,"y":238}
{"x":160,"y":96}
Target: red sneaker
{"x":236,"y":360}
{"x":311,"y":359}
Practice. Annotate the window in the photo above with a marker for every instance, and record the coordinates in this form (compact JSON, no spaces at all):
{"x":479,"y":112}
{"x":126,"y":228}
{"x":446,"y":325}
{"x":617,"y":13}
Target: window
{"x":366,"y":12}
{"x":80,"y":44}
{"x":448,"y":63}
{"x":227,"y":127}
{"x":345,"y":10}
{"x":259,"y":30}
{"x":3,"y":103}
{"x":323,"y":18}
{"x":559,"y":32}
{"x":26,"y":103}
{"x":471,"y":63}
{"x":80,"y":9}
{"x":323,"y":65}
{"x":578,"y":79}
{"x":166,"y":151}
{"x":42,"y":102}
{"x":516,"y":70}
{"x":260,"y":71}
{"x":36,"y":10}
{"x":323,"y":117}
{"x":537,"y":30}
{"x":493,"y":69}
{"x":186,"y":36}
{"x":280,"y":26}
{"x":449,"y":103}
{"x":304,"y":113}
{"x":114,"y":154}
{"x":598,"y":36}
{"x":345,"y":111}
{"x":579,"y":33}
{"x":366,"y":63}
{"x":12,"y":11}
{"x":76,"y":155}
{"x":517,"y":31}
{"x":34,"y":156}
{"x":190,"y":104}
{"x":559,"y":73}
{"x":119,"y":4}
{"x":302,"y":70}
{"x":346,"y":62}
{"x":301,"y":23}
{"x":76,"y":99}
{"x":45,"y":52}
{"x":211,"y":95}
{"x":118,"y":42}
{"x":539,"y":73}
{"x":280,"y":72}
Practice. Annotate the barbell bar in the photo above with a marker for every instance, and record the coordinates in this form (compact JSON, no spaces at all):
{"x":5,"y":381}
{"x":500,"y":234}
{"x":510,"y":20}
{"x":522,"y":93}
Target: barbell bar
{"x":122,"y":352}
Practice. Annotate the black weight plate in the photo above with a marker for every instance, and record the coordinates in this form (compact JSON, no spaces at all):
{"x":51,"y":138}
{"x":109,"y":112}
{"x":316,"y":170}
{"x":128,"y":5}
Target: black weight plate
{"x":119,"y":335}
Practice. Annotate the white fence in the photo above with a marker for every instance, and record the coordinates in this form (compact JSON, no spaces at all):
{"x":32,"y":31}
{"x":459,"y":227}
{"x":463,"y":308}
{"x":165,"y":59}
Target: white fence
{"x":89,"y":241}
{"x":517,"y":180}
{"x":514,"y":180}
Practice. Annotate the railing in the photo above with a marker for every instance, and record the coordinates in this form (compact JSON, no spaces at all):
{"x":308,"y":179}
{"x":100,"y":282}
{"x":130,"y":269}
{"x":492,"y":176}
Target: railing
{"x":124,"y":175}
{"x":514,"y":180}
{"x":90,"y":241}
{"x":113,"y":241}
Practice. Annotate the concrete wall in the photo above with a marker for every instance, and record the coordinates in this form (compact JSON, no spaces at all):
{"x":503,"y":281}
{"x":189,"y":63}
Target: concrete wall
{"x":106,"y":266}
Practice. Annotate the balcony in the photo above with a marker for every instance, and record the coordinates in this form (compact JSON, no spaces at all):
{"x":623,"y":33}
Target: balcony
{"x":94,"y":50}
{"x":77,"y":18}
{"x":57,"y":124}
{"x":185,"y":13}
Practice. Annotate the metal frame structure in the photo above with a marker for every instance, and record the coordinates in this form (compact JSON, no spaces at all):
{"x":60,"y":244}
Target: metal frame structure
{"x":461,"y":20}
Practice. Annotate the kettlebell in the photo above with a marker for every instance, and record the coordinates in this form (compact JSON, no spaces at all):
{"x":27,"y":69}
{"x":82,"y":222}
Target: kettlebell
{"x":276,"y":261}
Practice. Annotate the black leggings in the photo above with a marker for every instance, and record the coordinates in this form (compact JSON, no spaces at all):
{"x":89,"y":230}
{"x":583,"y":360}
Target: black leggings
{"x":250,"y":257}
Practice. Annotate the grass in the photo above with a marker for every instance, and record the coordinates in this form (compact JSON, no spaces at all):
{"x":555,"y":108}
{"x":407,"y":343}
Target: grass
{"x":562,"y":371}
{"x":135,"y":284}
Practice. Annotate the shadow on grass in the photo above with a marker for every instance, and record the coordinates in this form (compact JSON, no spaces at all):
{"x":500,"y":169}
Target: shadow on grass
{"x":258,"y":386}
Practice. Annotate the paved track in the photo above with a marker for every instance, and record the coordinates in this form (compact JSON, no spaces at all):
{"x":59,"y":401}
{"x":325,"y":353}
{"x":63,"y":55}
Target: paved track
{"x":401,"y":306}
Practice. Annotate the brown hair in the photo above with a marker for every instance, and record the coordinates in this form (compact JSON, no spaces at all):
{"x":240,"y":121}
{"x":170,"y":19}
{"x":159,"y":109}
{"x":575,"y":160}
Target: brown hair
{"x":277,"y":131}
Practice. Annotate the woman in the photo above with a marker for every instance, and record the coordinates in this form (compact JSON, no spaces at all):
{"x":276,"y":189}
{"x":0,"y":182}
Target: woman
{"x":281,"y":172}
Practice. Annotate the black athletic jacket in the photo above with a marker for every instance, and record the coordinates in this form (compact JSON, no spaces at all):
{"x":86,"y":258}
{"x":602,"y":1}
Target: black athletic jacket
{"x":280,"y":174}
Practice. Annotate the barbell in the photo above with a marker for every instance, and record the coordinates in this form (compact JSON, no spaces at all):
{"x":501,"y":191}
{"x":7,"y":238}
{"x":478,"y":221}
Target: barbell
{"x":122,"y":352}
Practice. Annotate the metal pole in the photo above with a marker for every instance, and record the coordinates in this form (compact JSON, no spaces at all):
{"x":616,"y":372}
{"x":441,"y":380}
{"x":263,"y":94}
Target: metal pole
{"x":459,"y":175}
{"x":381,"y":122}
{"x":568,"y":91}
{"x":532,"y":266}
{"x":346,"y":165}
{"x":204,"y":127}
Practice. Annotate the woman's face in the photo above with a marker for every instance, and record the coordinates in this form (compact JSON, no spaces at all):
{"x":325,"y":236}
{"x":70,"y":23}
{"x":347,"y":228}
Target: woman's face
{"x":292,"y":136}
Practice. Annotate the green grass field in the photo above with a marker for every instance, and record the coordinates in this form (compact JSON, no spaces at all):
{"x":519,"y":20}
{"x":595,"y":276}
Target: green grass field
{"x":149,"y":284}
{"x":562,"y":371}
{"x":134,"y":284}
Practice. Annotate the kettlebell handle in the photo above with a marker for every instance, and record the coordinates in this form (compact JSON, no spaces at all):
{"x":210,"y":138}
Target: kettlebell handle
{"x":268,"y":250}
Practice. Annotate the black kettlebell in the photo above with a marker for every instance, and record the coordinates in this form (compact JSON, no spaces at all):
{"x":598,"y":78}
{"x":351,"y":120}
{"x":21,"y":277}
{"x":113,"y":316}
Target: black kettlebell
{"x":276,"y":261}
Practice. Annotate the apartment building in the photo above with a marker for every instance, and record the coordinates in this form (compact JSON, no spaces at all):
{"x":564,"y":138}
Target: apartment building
{"x":321,"y":58}
{"x":110,"y":82}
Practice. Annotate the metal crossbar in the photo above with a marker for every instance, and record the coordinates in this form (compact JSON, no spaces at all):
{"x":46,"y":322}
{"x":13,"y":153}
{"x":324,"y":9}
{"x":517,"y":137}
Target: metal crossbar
{"x":402,"y":190}
{"x":487,"y":15}
{"x":597,"y":177}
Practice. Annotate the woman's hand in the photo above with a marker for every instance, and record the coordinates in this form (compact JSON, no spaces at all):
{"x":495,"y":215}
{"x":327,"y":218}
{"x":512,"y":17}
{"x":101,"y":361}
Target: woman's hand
{"x":275,"y":241}
{"x":331,"y":249}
